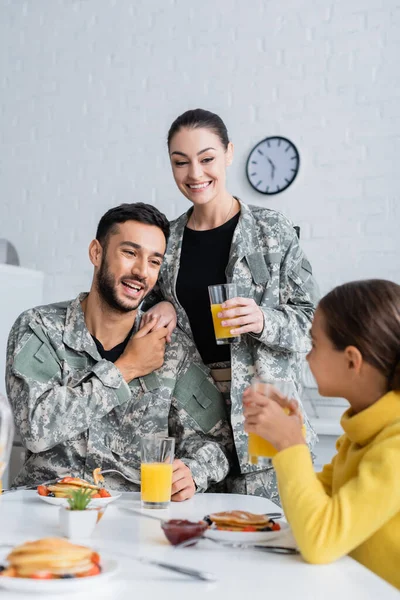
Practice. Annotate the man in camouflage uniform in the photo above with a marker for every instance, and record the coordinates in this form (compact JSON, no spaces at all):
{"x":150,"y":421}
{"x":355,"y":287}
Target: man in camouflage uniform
{"x":268,"y":265}
{"x":78,"y":406}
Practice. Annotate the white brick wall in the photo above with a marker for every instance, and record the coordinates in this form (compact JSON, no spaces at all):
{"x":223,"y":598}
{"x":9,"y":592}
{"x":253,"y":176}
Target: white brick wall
{"x":88,"y":89}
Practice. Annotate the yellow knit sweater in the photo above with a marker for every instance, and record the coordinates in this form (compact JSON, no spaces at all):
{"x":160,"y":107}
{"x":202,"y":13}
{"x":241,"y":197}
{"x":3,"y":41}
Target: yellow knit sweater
{"x":353,"y":505}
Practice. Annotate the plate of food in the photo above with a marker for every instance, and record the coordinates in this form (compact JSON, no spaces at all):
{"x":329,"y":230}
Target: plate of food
{"x":57,"y":493}
{"x":241,"y":526}
{"x":54,"y":565}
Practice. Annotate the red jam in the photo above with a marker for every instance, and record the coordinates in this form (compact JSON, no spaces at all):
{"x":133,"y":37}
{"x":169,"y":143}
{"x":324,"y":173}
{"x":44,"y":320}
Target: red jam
{"x":180,"y":530}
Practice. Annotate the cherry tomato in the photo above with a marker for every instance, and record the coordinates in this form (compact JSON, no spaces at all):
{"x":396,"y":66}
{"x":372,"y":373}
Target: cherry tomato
{"x":9,"y":572}
{"x":96,"y":496}
{"x":42,"y":490}
{"x":276,"y":527}
{"x":96,"y":558}
{"x":95,"y":570}
{"x":103,"y":493}
{"x":42,"y":575}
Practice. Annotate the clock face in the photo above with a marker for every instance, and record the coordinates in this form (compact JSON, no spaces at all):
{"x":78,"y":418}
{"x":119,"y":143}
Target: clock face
{"x":272,"y":165}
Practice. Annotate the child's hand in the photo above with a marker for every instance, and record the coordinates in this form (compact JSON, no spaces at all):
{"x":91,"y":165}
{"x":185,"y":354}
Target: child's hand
{"x":266,"y":417}
{"x":289,"y":405}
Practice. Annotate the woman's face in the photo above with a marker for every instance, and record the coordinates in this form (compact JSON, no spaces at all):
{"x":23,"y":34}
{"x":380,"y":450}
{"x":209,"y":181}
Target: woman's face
{"x":199,"y":162}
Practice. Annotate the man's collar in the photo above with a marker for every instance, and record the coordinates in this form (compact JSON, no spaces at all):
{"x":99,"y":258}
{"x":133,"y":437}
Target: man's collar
{"x":76,"y":334}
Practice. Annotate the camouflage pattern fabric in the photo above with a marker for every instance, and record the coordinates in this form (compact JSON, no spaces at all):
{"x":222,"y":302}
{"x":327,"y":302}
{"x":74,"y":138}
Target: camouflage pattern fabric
{"x":75,"y":412}
{"x":268,"y":265}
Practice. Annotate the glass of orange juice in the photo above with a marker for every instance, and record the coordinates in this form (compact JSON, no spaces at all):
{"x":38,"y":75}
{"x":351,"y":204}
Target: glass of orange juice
{"x":157,"y":456}
{"x":260,"y":451}
{"x":218,"y":294}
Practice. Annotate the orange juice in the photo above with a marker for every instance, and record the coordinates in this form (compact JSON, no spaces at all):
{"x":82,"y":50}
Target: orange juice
{"x":220,"y":332}
{"x":156,"y":482}
{"x":258,"y":447}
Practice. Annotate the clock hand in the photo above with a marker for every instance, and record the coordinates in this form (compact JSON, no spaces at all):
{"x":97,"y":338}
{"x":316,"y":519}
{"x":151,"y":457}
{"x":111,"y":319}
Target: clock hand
{"x":272,"y":167}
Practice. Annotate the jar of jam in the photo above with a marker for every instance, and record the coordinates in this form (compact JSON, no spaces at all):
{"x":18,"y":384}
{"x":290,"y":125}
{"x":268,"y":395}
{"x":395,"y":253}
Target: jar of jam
{"x":180,"y":530}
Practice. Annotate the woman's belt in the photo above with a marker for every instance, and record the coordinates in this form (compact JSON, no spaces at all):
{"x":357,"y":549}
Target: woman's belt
{"x":221,"y":374}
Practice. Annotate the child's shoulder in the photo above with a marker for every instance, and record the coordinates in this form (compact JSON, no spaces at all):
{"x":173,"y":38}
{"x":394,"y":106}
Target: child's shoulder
{"x":392,"y":431}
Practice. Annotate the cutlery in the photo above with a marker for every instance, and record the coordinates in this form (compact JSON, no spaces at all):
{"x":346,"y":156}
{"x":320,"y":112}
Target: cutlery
{"x":30,"y":487}
{"x":119,"y":473}
{"x":272,"y":515}
{"x":140,"y":514}
{"x":272,"y":549}
{"x":202,"y":575}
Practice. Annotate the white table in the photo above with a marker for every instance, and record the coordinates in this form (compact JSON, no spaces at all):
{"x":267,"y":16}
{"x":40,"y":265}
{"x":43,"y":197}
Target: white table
{"x":240,"y":572}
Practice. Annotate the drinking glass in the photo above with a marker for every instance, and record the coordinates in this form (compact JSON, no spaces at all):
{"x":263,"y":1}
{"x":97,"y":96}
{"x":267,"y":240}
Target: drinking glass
{"x":218,"y":294}
{"x":157,"y":456}
{"x":6,"y":435}
{"x":260,"y":451}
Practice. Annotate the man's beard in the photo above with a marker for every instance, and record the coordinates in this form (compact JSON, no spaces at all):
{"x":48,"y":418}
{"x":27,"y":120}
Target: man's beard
{"x":106,"y":287}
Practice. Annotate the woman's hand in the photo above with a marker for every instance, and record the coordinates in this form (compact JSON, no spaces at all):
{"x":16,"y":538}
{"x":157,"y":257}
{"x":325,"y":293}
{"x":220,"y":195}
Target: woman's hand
{"x":164,"y":315}
{"x":242,"y":315}
{"x":266,"y":417}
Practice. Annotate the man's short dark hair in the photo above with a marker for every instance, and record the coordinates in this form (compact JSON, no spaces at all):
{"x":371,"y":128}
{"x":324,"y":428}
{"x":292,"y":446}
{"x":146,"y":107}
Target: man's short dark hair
{"x":138,"y":211}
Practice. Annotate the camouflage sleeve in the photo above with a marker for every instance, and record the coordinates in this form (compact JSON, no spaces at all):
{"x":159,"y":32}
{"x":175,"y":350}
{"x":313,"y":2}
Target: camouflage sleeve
{"x":198,"y":421}
{"x":154,"y":297}
{"x":48,"y":407}
{"x":286,"y":326}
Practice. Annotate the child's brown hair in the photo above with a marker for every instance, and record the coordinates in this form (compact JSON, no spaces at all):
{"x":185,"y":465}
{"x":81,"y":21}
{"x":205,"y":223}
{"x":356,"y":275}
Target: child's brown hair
{"x":366,"y":314}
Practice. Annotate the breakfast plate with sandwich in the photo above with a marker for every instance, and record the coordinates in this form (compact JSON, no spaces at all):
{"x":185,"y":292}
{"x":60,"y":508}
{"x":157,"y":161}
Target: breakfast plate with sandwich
{"x":57,"y":492}
{"x":54,"y":565}
{"x":240,"y":526}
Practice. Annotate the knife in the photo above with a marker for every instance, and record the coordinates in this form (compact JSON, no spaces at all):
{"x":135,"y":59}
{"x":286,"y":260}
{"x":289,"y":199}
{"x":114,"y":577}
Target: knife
{"x":139,"y":513}
{"x":273,"y":549}
{"x":202,"y":575}
{"x":30,"y":487}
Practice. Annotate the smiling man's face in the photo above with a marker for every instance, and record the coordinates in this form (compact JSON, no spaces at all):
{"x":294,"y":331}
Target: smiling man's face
{"x":130,"y":263}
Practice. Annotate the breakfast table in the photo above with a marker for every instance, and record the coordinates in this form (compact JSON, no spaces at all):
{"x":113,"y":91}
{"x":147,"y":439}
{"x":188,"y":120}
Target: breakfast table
{"x":126,"y":536}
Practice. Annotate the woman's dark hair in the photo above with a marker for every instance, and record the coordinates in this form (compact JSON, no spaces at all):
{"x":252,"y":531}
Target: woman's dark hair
{"x":138,"y":211}
{"x":200,"y":119}
{"x":366,"y":314}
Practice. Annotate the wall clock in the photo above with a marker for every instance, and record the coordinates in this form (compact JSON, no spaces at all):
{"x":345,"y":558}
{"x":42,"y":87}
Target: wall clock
{"x":272,"y":165}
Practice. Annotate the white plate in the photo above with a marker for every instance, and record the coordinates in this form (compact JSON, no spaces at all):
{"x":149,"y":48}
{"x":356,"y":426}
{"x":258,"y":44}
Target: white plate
{"x":61,"y":586}
{"x":94,"y":502}
{"x":246,"y":537}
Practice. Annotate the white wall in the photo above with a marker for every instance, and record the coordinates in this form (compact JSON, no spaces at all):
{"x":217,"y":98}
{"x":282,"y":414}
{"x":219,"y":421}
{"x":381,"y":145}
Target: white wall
{"x":88,"y":89}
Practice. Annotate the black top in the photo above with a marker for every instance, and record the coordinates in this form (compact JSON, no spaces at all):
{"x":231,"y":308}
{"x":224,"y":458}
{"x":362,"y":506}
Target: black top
{"x":113,"y":354}
{"x":204,"y":258}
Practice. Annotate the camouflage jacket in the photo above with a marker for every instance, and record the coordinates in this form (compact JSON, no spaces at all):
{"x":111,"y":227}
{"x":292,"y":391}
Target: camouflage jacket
{"x":267,"y":264}
{"x":75,"y":412}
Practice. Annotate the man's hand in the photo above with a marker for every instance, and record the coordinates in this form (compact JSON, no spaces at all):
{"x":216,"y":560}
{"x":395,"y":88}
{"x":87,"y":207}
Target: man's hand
{"x":144,"y":352}
{"x":183,"y":486}
{"x":165,"y":316}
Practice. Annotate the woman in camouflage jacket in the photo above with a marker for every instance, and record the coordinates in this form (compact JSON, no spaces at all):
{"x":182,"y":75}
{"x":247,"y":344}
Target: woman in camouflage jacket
{"x":219,"y":240}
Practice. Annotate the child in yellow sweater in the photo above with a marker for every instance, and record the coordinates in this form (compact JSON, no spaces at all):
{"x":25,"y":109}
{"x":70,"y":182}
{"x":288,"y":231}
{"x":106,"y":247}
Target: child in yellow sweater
{"x":353,"y":505}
